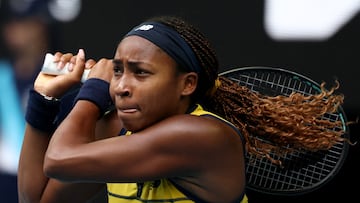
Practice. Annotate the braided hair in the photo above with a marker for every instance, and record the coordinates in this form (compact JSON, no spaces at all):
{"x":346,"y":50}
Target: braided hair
{"x":293,"y":120}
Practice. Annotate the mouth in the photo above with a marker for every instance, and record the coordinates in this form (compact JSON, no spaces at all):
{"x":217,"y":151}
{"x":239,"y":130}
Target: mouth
{"x":128,"y":110}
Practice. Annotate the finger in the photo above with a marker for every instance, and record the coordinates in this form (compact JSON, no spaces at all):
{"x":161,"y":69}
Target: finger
{"x":61,"y":60}
{"x":103,"y":69}
{"x":90,"y":63}
{"x":72,"y":63}
{"x":57,"y":56}
{"x":80,"y":63}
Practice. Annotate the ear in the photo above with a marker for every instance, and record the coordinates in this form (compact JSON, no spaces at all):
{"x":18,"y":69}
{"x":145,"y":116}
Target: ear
{"x":190,"y":81}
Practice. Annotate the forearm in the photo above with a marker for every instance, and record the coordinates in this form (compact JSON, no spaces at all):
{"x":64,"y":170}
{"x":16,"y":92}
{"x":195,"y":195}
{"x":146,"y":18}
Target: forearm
{"x":34,"y":186}
{"x":78,"y":128}
{"x":31,"y":179}
{"x":68,"y":144}
{"x":40,"y":114}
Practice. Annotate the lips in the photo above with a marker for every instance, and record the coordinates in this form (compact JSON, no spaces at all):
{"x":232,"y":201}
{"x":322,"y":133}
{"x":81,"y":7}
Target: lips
{"x":128,"y":108}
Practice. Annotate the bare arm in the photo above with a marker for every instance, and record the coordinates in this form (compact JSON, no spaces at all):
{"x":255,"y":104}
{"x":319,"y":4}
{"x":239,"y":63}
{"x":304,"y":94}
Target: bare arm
{"x":31,"y":179}
{"x":33,"y":185}
{"x":195,"y":159}
{"x":171,"y":148}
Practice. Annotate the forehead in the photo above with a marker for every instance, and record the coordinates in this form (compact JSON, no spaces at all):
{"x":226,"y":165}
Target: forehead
{"x":138,"y":45}
{"x":135,"y":48}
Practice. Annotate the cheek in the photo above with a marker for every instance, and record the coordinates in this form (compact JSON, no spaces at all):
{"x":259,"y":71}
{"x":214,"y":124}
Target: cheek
{"x":157,"y":107}
{"x":161,"y":96}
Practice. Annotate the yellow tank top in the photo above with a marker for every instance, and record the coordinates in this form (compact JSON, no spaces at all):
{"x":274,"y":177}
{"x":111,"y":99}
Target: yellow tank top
{"x":153,"y":191}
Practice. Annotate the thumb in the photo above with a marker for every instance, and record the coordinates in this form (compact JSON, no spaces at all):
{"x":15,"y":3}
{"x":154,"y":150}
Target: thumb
{"x":80,"y":62}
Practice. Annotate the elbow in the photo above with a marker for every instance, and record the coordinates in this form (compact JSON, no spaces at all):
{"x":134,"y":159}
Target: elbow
{"x":53,"y":166}
{"x":60,"y":166}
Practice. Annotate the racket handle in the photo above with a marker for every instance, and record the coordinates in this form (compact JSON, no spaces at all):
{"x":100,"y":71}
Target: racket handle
{"x":50,"y":67}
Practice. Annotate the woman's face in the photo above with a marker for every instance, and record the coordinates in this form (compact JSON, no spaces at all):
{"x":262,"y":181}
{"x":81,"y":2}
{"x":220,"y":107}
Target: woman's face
{"x":146,"y":85}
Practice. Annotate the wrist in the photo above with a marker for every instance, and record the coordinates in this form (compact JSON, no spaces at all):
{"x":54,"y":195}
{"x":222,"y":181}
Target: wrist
{"x":41,"y":111}
{"x":96,"y":91}
{"x":49,"y":98}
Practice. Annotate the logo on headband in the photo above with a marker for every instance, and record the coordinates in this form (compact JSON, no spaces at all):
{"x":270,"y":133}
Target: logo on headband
{"x":144,"y":27}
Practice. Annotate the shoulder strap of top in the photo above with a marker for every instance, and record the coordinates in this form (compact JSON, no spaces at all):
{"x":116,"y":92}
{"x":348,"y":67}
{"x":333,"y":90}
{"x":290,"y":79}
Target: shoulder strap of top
{"x":199,"y":111}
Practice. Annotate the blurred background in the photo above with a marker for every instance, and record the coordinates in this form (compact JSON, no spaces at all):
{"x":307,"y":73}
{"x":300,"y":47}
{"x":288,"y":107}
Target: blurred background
{"x":317,"y":38}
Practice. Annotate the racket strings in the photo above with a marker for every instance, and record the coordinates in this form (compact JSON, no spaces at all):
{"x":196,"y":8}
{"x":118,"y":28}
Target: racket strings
{"x":280,"y":124}
{"x":300,"y":121}
{"x":242,"y":106}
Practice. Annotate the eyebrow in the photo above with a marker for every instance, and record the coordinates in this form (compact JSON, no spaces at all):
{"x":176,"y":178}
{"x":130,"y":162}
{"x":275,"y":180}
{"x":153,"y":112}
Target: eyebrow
{"x":119,"y":62}
{"x":116,"y":61}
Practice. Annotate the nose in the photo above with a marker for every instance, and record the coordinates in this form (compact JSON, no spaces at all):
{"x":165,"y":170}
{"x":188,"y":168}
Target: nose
{"x":122,"y":86}
{"x":125,"y":94}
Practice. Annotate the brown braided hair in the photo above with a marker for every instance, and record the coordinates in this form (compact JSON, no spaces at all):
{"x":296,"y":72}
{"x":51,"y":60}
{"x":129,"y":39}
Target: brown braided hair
{"x":293,"y":120}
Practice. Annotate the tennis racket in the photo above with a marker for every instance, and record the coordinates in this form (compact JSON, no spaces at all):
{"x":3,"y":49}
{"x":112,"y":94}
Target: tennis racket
{"x":50,"y":67}
{"x":302,"y":171}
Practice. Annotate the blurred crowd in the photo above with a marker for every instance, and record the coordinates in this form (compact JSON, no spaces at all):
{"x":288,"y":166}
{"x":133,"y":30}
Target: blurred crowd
{"x":28,"y":32}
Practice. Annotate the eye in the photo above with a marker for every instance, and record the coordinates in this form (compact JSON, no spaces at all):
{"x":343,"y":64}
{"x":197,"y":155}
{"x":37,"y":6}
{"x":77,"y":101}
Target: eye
{"x":118,"y":70}
{"x":141,"y":72}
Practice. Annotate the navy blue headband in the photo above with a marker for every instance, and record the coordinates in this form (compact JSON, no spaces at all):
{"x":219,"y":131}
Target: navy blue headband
{"x":170,"y":41}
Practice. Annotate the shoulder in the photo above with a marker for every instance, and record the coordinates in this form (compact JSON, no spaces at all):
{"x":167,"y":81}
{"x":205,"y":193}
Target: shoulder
{"x":209,"y":147}
{"x":191,"y":129}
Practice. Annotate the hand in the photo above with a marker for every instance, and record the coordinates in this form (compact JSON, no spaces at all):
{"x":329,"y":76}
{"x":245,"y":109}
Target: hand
{"x":103,"y":69}
{"x":56,"y":86}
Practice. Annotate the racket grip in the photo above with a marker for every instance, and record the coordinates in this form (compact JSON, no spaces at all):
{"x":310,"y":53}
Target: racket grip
{"x":50,"y":67}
